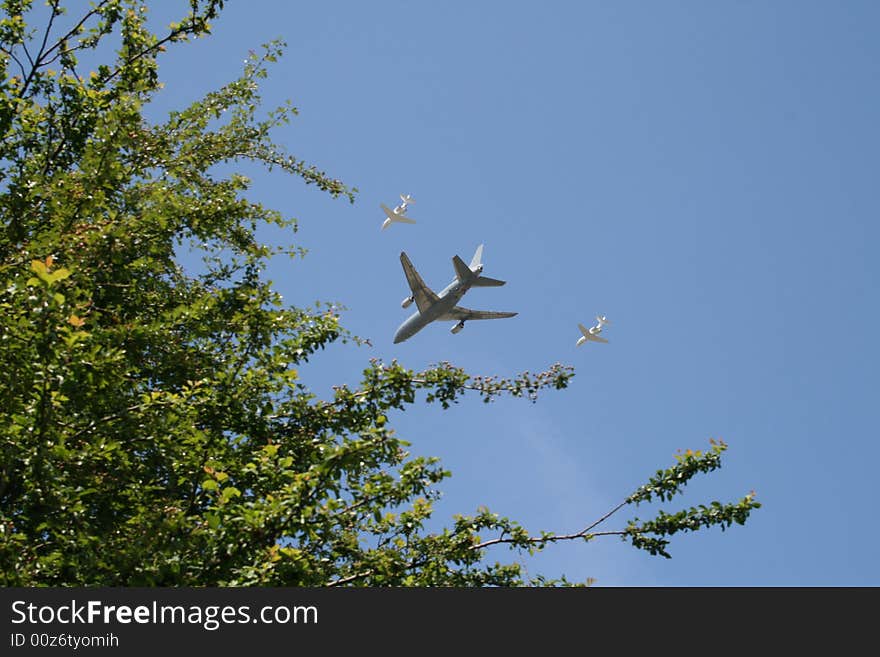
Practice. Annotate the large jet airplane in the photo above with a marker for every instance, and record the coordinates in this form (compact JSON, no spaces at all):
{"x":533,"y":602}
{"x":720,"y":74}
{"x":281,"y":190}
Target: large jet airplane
{"x":593,"y":332}
{"x":432,"y":306}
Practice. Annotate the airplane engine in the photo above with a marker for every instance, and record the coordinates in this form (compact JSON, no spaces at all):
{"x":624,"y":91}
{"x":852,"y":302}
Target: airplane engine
{"x":406,"y":302}
{"x":458,"y":327}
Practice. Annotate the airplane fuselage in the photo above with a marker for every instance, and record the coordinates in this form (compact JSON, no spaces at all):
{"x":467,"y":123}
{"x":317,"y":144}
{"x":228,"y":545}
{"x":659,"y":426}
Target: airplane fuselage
{"x":448,"y":298}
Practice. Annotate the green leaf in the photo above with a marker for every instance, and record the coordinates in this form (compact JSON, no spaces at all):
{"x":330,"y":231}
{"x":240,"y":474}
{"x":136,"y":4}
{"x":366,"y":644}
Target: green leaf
{"x":229,"y":493}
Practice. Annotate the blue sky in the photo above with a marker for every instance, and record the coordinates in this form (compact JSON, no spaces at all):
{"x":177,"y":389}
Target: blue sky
{"x":705,"y":174}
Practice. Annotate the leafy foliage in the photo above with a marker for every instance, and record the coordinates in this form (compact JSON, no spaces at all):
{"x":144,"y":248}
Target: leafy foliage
{"x":155,"y":429}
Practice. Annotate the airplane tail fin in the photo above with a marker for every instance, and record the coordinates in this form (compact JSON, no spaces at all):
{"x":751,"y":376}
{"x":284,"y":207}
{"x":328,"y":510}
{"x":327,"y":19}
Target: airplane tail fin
{"x":485,"y":281}
{"x":462,"y":272}
{"x":470,"y":273}
{"x":476,"y":261}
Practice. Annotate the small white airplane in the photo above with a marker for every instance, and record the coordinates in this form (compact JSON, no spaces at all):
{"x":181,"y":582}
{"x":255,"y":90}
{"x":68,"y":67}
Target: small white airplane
{"x":593,"y":332}
{"x":398,"y":214}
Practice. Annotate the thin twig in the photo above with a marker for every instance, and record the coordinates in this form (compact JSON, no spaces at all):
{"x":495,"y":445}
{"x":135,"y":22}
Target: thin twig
{"x":557,"y":537}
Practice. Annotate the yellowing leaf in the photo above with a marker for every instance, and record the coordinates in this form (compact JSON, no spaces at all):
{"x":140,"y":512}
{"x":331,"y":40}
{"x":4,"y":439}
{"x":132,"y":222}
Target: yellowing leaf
{"x":75,"y":321}
{"x":59,"y":275}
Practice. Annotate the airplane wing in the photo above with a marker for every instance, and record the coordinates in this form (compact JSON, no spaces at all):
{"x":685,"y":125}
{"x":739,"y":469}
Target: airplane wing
{"x":391,"y":214}
{"x":591,"y":336}
{"x":460,"y":313}
{"x":423,"y":295}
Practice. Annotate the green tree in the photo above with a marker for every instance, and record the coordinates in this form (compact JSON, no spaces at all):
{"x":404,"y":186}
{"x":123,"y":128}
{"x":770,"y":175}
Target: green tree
{"x":154,"y":429}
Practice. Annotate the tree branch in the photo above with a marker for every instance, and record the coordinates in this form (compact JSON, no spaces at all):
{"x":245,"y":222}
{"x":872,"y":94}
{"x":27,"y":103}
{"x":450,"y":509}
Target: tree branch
{"x":14,"y":58}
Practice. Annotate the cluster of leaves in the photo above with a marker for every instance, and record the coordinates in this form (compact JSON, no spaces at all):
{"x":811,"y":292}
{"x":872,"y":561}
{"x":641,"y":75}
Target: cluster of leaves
{"x":154,"y":429}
